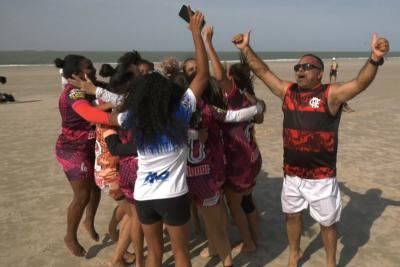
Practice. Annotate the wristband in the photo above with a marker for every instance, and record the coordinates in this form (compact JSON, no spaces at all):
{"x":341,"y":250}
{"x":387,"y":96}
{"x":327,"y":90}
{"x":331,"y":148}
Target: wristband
{"x":376,"y":63}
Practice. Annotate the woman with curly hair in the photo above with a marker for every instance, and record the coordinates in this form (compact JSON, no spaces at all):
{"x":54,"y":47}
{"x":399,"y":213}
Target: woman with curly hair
{"x":158,"y":114}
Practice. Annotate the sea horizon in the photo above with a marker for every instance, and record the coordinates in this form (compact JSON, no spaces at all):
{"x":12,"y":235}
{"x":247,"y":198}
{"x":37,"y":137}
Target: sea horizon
{"x":46,"y":57}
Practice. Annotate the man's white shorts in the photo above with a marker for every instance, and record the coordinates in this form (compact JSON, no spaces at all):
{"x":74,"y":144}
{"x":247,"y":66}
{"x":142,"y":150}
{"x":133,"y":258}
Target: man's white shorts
{"x":322,"y":195}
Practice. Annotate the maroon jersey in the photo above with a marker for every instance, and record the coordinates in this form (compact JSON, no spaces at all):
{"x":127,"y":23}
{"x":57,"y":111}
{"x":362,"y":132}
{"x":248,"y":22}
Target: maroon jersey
{"x":207,"y":160}
{"x":75,"y":130}
{"x":75,"y":145}
{"x":243,"y":159}
{"x":310,"y":133}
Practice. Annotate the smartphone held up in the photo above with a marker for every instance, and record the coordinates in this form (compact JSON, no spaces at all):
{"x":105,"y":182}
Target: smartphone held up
{"x":184,"y":14}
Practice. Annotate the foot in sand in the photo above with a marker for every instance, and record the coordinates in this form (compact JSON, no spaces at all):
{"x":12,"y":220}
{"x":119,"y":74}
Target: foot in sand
{"x":74,"y":247}
{"x":114,"y":233}
{"x":241,"y":247}
{"x":119,"y":263}
{"x":206,"y":253}
{"x":294,"y":258}
{"x":129,"y":257}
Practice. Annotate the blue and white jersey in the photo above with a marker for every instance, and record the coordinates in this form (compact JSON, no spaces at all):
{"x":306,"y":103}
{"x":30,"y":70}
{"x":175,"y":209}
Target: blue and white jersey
{"x":162,"y":166}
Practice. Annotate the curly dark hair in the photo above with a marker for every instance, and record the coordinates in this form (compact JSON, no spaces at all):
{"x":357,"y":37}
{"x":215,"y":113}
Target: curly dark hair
{"x":241,"y":74}
{"x":152,"y":107}
{"x":122,"y":76}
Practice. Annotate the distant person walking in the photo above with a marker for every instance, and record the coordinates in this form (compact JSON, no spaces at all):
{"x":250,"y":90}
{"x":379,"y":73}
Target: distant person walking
{"x":333,"y":72}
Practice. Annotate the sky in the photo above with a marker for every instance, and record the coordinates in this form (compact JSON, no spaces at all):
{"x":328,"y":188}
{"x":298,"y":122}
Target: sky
{"x":154,"y":25}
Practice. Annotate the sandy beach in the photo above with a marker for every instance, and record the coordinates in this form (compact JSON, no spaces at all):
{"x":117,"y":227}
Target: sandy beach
{"x":35,"y":192}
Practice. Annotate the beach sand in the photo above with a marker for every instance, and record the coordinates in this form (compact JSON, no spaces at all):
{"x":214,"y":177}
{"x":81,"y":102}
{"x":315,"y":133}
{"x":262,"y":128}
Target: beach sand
{"x":35,"y":193}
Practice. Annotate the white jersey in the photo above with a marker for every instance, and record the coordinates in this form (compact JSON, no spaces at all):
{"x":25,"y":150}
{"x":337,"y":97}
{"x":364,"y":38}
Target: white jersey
{"x":162,"y":166}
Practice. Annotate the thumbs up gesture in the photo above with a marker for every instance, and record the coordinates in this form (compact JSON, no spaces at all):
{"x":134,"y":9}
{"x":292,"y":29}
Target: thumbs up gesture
{"x":379,"y":47}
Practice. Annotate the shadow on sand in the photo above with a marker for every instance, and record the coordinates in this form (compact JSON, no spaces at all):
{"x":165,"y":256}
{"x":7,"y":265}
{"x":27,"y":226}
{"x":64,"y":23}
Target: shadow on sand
{"x":357,"y":219}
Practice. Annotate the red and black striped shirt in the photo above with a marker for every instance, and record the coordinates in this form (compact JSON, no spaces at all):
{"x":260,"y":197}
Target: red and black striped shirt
{"x":310,"y":133}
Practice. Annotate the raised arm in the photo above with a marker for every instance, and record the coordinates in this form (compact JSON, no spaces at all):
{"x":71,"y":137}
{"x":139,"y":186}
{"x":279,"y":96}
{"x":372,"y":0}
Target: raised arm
{"x":340,"y":93}
{"x":202,"y":74}
{"x":219,"y":71}
{"x":260,"y":69}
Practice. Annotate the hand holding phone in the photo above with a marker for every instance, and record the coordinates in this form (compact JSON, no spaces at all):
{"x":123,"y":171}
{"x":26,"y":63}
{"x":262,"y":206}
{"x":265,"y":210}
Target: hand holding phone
{"x":184,"y":14}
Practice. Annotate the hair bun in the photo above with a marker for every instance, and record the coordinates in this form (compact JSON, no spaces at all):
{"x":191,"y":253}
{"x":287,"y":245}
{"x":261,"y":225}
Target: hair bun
{"x":106,"y":70}
{"x":130,"y":58}
{"x":59,"y":63}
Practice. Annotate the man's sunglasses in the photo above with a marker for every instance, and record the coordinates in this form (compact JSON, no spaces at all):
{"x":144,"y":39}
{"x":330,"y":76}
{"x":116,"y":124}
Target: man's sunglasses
{"x":306,"y":66}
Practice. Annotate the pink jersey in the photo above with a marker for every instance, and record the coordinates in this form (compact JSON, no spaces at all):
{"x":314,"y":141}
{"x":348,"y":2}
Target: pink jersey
{"x":243,"y":159}
{"x":206,"y":161}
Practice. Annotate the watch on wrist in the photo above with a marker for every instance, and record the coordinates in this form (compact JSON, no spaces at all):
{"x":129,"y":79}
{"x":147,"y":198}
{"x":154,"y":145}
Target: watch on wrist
{"x":376,"y":63}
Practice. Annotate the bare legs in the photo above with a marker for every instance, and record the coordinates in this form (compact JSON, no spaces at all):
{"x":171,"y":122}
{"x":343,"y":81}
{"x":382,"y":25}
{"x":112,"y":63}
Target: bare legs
{"x":234,"y":200}
{"x":329,"y":237}
{"x":179,"y":236}
{"x":216,"y":230}
{"x":294,"y":228}
{"x":123,"y":243}
{"x":116,"y":218}
{"x":179,"y":242}
{"x":137,"y":236}
{"x":153,"y":236}
{"x":91,"y":210}
{"x":85,"y":195}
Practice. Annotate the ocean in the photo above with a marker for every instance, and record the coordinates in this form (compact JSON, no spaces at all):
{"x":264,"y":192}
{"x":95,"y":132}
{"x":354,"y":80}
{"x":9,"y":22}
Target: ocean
{"x":9,"y":58}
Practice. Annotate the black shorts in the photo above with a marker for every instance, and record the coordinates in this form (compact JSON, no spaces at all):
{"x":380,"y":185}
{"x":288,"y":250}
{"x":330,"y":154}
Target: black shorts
{"x":333,"y":73}
{"x":172,"y":211}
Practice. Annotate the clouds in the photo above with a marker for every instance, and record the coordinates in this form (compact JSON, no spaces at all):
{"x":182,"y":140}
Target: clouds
{"x":154,"y":24}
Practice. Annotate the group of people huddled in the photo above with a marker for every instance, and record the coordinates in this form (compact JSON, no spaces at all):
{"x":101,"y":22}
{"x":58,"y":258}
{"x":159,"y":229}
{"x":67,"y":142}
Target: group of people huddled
{"x":167,"y":144}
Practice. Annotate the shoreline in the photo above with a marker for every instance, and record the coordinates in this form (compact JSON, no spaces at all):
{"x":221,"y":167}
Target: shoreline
{"x":228,"y":61}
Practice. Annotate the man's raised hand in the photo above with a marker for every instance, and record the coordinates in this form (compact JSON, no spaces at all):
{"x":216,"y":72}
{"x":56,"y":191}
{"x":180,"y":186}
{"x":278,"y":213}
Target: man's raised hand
{"x":241,"y":40}
{"x":379,"y":47}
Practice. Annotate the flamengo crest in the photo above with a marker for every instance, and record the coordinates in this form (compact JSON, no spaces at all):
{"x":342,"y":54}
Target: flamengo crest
{"x":314,"y":102}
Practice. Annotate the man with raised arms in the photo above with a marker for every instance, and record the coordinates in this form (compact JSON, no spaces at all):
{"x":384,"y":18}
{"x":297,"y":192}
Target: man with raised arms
{"x":310,"y":136}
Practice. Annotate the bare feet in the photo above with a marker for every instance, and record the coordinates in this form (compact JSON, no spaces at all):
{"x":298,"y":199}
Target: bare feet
{"x":74,"y":247}
{"x":114,"y":233}
{"x":129,"y":257}
{"x":241,"y":247}
{"x":294,"y":258}
{"x":119,"y":263}
{"x":89,"y":227}
{"x":205,"y":253}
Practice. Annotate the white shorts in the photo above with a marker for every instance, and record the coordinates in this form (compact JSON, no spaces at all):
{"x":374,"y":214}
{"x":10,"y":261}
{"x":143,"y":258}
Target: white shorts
{"x":323,"y":196}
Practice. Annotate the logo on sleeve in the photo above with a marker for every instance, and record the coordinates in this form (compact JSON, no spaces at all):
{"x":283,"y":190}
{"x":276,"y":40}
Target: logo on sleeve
{"x":76,"y":94}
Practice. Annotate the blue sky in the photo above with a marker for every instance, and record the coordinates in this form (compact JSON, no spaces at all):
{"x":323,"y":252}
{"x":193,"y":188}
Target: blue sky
{"x":277,"y":25}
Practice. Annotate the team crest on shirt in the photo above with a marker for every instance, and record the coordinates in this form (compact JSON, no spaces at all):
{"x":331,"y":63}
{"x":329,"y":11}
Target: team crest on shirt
{"x":314,"y":102}
{"x":76,"y":94}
